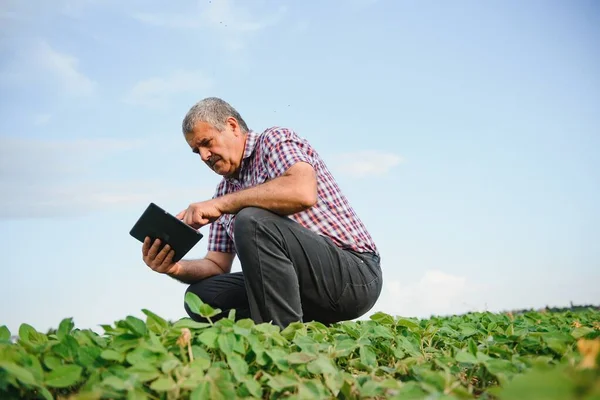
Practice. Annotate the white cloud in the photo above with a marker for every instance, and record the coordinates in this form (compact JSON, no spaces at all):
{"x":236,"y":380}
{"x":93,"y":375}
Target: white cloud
{"x":366,"y":163}
{"x":41,"y":64}
{"x":157,"y":92}
{"x":435,"y":293}
{"x":228,"y":19}
{"x":65,"y":69}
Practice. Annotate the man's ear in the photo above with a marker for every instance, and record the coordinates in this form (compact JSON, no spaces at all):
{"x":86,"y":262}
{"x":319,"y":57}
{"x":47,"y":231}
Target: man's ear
{"x":233,"y":124}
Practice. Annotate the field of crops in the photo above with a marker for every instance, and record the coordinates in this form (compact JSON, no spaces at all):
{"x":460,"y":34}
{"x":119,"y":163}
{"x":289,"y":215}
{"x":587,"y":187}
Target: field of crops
{"x":529,"y":355}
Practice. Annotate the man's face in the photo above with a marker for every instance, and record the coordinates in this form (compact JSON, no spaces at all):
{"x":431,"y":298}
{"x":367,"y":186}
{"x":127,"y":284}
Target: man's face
{"x":221,"y":151}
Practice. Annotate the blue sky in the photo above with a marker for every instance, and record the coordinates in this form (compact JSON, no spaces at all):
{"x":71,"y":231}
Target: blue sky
{"x":465,"y":134}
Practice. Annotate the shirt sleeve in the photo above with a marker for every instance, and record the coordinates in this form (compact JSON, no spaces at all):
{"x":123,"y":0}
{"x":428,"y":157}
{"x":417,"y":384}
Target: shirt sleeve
{"x":284,"y":148}
{"x":219,"y":240}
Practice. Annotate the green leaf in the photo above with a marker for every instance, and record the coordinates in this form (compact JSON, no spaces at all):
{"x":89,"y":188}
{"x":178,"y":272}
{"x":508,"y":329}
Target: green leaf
{"x":33,"y":365}
{"x":63,"y":376}
{"x":372,"y":389}
{"x":18,"y":372}
{"x":307,"y":344}
{"x":163,"y":384}
{"x":407,"y":323}
{"x":87,"y":355}
{"x":300,"y":358}
{"x":468,"y":330}
{"x":170,"y":365}
{"x":382,"y":331}
{"x":193,"y":302}
{"x":125,"y":342}
{"x":334,"y":382}
{"x":281,"y":382}
{"x":226,"y":342}
{"x":368,"y":356}
{"x":345,"y":347}
{"x":25,"y":331}
{"x":498,"y":367}
{"x":321,"y":365}
{"x":136,"y":325}
{"x":311,"y":390}
{"x":52,"y":362}
{"x":472,"y":347}
{"x":44,"y":393}
{"x":246,"y":324}
{"x":253,"y":387}
{"x":407,"y":346}
{"x":382,"y":318}
{"x":207,"y":311}
{"x":143,"y":372}
{"x":557,"y":341}
{"x":4,"y":333}
{"x":580,"y":332}
{"x":464,"y":357}
{"x":216,"y":385}
{"x":200,"y":363}
{"x":279,"y":358}
{"x":112,"y":355}
{"x":141,"y":355}
{"x":209,"y":337}
{"x":67,"y":348}
{"x":64,"y":328}
{"x":290,"y":331}
{"x":114,"y":382}
{"x":154,"y":322}
{"x":538,"y":384}
{"x":190,"y":324}
{"x":238,"y":366}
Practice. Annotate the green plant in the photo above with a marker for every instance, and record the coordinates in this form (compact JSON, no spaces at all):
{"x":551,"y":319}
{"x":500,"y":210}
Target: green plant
{"x":476,"y":355}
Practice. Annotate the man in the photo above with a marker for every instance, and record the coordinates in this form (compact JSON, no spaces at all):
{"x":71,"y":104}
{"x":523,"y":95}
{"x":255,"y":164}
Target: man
{"x":304,"y":253}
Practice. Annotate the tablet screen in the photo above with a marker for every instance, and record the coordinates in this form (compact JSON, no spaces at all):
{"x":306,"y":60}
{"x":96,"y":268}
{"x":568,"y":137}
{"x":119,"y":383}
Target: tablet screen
{"x":157,"y":223}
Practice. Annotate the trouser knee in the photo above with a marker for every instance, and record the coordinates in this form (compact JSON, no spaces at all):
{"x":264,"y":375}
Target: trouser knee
{"x":246,"y":220}
{"x":251,"y":231}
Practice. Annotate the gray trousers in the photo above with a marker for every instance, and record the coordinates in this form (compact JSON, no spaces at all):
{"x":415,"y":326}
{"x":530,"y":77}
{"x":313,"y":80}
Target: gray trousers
{"x":290,"y":274}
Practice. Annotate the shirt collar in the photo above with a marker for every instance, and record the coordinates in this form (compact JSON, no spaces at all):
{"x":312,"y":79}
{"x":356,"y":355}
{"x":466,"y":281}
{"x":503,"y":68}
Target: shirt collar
{"x":250,"y":144}
{"x":251,"y":138}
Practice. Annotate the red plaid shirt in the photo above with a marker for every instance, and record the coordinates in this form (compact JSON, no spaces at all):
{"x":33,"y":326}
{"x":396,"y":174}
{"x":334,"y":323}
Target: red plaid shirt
{"x":269,"y":155}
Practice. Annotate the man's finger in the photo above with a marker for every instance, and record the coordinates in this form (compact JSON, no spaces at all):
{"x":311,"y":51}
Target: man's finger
{"x":154,"y":249}
{"x":181,"y":214}
{"x":186,"y":217}
{"x":146,"y":246}
{"x":200,"y":224}
{"x":162,"y":254}
{"x":168,"y":261}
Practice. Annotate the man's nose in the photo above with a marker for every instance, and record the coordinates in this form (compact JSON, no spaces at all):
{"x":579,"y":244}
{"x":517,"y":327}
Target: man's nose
{"x":204,"y":154}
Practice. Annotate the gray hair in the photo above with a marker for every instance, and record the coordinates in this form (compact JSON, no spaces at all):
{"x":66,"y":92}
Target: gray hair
{"x":214,"y":111}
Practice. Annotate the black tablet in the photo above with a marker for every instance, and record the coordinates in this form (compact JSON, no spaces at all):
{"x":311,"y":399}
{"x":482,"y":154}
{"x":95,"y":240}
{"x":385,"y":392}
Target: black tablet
{"x":156,"y":223}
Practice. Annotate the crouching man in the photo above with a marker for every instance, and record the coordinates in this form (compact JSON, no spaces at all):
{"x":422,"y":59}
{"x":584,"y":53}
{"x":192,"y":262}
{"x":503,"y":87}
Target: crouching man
{"x":304,"y":253}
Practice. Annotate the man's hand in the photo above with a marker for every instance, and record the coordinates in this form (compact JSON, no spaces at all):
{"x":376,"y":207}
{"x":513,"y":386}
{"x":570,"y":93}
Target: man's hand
{"x":160,"y":261}
{"x":199,"y":214}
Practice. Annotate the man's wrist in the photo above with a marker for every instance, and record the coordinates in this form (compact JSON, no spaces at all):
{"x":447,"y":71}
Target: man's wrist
{"x":176,"y":270}
{"x":224,"y":204}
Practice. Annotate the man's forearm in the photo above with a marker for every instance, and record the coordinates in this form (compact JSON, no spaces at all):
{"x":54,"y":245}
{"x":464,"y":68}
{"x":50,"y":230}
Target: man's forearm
{"x":192,"y":271}
{"x":283,"y":195}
